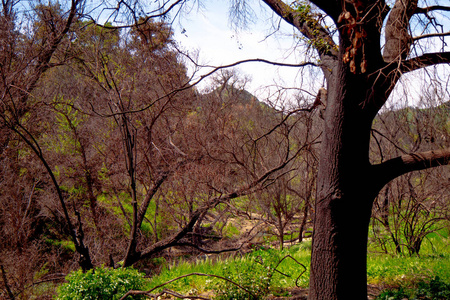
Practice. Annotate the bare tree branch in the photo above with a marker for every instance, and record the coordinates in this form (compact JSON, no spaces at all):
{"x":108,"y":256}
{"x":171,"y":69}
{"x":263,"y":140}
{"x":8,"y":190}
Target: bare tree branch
{"x":184,"y":276}
{"x":148,"y":197}
{"x":160,"y":12}
{"x":425,"y":60}
{"x":307,"y":24}
{"x":5,"y":282}
{"x":164,"y":292}
{"x":45,"y":56}
{"x":190,"y":83}
{"x":403,"y":164}
{"x":175,"y":239}
{"x":424,"y":36}
{"x":84,"y":260}
{"x":424,"y":10}
{"x":210,"y":251}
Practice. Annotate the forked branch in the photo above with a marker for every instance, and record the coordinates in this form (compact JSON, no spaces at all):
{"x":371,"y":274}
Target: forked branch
{"x":149,"y":292}
{"x":176,"y":238}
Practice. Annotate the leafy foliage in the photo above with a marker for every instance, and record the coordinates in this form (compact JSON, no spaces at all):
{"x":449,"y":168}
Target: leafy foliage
{"x":255,"y":276}
{"x":435,"y":289}
{"x":394,"y":294}
{"x":100,"y":283}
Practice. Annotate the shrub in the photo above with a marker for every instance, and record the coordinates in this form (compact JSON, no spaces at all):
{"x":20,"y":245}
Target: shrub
{"x":253,"y":277}
{"x":100,"y":283}
{"x":436,"y":289}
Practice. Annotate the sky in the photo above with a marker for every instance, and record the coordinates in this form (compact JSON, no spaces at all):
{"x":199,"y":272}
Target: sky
{"x":210,"y":31}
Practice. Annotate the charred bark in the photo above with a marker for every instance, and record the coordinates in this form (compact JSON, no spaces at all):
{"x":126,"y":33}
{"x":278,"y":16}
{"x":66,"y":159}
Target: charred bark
{"x":359,"y":81}
{"x":344,"y":194}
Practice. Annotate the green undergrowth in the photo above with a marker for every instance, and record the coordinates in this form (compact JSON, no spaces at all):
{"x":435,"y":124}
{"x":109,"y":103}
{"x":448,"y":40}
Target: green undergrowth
{"x":102,"y":283}
{"x":261,"y":271}
{"x":397,"y":271}
{"x":267,"y":271}
{"x":274,"y":271}
{"x":403,"y":270}
{"x":112,"y":203}
{"x":434,"y":289}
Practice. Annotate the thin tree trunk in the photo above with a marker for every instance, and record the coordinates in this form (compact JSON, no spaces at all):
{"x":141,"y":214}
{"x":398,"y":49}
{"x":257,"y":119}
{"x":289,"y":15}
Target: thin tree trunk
{"x":129,"y":145}
{"x":304,"y":220}
{"x":90,"y":192}
{"x":77,"y":237}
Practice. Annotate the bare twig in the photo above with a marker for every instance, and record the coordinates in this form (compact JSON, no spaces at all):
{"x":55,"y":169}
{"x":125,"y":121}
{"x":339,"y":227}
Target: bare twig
{"x":187,"y":85}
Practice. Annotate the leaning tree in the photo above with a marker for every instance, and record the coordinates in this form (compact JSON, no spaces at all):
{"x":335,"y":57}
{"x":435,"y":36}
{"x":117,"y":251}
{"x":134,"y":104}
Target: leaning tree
{"x":364,"y":47}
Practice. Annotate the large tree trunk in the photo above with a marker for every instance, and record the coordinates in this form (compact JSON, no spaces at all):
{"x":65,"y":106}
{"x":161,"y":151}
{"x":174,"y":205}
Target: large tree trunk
{"x":338,"y":264}
{"x":344,"y":193}
{"x":359,"y":81}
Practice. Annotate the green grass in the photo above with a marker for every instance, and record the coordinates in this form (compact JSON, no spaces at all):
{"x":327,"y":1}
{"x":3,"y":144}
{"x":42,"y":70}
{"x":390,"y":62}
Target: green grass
{"x":397,"y":270}
{"x":383,"y":269}
{"x":401,"y":270}
{"x":263,"y":258}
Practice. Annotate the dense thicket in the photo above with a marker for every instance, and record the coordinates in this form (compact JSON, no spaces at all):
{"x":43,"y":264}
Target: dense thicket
{"x":110,"y":157}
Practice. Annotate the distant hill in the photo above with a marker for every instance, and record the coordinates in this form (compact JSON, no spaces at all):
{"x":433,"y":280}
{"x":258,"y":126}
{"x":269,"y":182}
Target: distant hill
{"x":229,"y":95}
